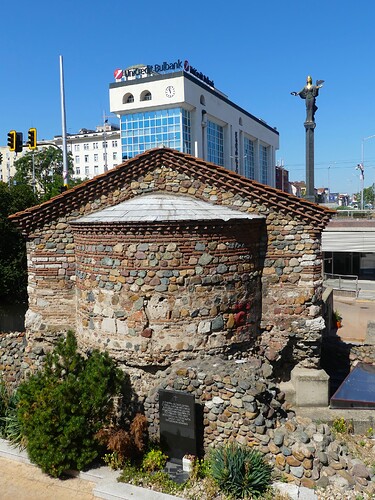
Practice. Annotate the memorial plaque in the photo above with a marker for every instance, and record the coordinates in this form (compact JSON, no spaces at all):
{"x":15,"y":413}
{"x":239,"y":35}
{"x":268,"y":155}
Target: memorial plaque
{"x":177,"y":423}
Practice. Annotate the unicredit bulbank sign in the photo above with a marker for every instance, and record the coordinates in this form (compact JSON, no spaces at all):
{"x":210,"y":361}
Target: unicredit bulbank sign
{"x":165,"y":67}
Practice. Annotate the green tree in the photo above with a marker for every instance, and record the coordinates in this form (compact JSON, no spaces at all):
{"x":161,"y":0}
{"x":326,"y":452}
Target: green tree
{"x":63,"y":406}
{"x":368,"y":195}
{"x":13,"y":269}
{"x":48,"y":171}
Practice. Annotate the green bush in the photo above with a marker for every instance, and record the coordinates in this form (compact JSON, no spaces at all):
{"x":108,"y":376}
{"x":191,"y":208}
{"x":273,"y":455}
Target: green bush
{"x":62,"y":407}
{"x":154,"y":460}
{"x":239,"y":471}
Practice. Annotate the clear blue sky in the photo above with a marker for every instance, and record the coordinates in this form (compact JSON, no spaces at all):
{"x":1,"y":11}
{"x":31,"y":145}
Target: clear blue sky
{"x":256,"y":52}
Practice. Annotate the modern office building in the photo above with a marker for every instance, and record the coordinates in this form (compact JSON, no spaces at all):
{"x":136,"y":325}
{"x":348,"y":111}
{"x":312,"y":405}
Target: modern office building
{"x":174,"y":105}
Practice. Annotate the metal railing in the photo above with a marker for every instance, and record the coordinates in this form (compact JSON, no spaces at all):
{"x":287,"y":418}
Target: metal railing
{"x":345,"y":282}
{"x":355,"y":214}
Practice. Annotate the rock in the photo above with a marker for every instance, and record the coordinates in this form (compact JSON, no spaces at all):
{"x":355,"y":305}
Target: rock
{"x":307,"y":483}
{"x":297,"y":471}
{"x":360,"y":470}
{"x":347,"y":477}
{"x":323,"y":457}
{"x":323,"y":482}
{"x":292,"y":461}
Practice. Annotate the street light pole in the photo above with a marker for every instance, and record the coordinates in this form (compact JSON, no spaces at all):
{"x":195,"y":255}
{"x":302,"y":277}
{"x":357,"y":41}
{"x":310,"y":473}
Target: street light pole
{"x":360,"y":167}
{"x":363,"y":163}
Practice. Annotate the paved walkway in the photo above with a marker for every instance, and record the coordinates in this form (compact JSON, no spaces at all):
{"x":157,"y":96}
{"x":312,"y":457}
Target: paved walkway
{"x":356,"y":313}
{"x":21,"y":481}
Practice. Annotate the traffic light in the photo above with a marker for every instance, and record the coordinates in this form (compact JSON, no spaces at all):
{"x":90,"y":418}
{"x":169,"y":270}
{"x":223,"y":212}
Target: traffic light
{"x":19,"y":141}
{"x":15,"y":140}
{"x":12,"y":136}
{"x":31,"y":138}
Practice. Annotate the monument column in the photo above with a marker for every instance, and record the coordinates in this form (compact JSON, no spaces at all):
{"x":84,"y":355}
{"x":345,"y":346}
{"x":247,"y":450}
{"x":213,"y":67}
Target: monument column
{"x":309,"y":93}
{"x":310,"y":191}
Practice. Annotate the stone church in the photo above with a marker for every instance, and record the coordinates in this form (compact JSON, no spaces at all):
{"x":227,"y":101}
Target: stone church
{"x":168,"y":256}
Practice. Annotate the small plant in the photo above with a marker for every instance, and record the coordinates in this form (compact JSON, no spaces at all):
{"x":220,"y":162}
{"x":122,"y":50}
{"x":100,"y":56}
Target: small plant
{"x":154,"y":460}
{"x":342,"y":426}
{"x":158,"y":480}
{"x":113,"y":460}
{"x":200,"y":470}
{"x":240,"y":471}
{"x":337,"y":318}
{"x":370,"y":432}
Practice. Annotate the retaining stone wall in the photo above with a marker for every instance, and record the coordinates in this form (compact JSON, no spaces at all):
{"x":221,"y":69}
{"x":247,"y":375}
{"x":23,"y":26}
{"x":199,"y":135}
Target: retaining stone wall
{"x":241,"y":404}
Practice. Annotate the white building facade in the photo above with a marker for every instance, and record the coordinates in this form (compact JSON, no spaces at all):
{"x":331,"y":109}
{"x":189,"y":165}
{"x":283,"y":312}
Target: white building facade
{"x":93,"y":151}
{"x":176,"y":106}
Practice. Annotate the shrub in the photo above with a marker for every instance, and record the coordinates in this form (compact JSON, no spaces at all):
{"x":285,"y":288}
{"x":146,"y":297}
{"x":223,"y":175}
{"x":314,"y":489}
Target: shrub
{"x":62,"y":407}
{"x":154,"y":460}
{"x":240,"y":471}
{"x":124,"y":445}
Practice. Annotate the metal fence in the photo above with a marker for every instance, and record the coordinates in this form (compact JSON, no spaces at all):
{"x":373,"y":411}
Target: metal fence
{"x":344,"y":282}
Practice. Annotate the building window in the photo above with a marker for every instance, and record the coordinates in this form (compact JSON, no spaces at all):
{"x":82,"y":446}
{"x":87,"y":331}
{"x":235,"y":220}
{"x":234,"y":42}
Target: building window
{"x":76,"y":159}
{"x":78,"y":171}
{"x":76,"y":147}
{"x":215,"y":143}
{"x":86,"y":158}
{"x":114,"y":156}
{"x":87,"y":171}
{"x":186,"y":131}
{"x":263,"y":161}
{"x":105,"y":144}
{"x":95,"y":145}
{"x":128,"y":98}
{"x":151,"y":129}
{"x":96,"y":157}
{"x":249,"y":159}
{"x":105,"y":156}
{"x":146,"y":96}
{"x":96,"y":169}
{"x":114,"y":144}
{"x":86,"y":147}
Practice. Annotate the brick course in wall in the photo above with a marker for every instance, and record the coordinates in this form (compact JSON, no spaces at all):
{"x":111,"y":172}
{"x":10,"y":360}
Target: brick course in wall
{"x":147,"y":293}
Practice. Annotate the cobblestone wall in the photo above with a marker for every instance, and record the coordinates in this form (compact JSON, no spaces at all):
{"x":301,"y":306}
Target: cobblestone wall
{"x":241,"y":403}
{"x":147,"y":294}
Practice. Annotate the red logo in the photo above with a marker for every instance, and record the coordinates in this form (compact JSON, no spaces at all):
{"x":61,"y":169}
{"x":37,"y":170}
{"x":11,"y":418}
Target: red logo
{"x":118,"y":74}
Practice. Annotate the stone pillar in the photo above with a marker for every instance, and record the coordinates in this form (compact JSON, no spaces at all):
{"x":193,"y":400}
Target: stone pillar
{"x":310,"y":194}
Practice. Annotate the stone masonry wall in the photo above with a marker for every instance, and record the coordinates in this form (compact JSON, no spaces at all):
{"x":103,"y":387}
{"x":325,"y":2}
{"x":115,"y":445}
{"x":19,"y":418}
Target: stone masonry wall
{"x":240,"y":403}
{"x":148,"y":293}
{"x":291,"y":281}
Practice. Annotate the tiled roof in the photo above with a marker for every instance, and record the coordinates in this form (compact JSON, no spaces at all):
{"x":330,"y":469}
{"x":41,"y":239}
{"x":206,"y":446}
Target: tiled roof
{"x":164,"y":207}
{"x":209,"y":173}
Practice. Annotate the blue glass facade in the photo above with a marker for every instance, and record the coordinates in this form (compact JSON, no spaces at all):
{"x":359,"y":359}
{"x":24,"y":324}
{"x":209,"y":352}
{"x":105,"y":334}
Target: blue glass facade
{"x":249,"y":159}
{"x":263,"y":160}
{"x":167,"y":127}
{"x":215,"y":143}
